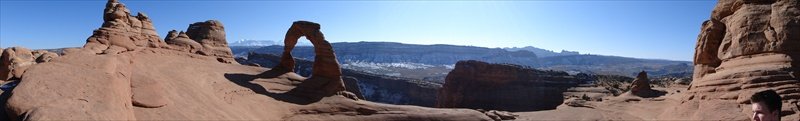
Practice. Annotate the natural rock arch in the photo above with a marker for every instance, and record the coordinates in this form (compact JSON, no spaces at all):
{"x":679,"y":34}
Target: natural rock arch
{"x":326,"y":75}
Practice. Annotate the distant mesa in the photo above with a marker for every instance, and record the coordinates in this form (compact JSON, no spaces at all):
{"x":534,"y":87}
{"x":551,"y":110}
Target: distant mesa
{"x":542,"y":52}
{"x":480,"y":85}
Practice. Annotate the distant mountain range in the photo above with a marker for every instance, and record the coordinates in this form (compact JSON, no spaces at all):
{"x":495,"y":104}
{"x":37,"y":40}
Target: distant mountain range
{"x":391,"y":52}
{"x":247,"y":42}
{"x":542,"y":52}
{"x":396,"y":59}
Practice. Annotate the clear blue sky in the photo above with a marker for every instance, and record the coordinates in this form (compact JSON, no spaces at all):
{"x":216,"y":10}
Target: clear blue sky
{"x":664,"y":29}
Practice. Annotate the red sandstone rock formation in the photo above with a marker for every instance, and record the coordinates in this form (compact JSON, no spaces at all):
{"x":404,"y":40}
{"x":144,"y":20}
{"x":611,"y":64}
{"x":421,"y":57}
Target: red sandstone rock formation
{"x":204,"y":38}
{"x":326,"y":76}
{"x":746,"y":46}
{"x":122,"y":31}
{"x":15,"y":60}
{"x":480,"y":85}
{"x":181,"y":41}
{"x":641,"y":83}
{"x":641,"y":87}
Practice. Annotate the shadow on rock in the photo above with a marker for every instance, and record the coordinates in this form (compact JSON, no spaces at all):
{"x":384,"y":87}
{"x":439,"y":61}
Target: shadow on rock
{"x":651,"y":93}
{"x":7,"y":88}
{"x":292,"y":96}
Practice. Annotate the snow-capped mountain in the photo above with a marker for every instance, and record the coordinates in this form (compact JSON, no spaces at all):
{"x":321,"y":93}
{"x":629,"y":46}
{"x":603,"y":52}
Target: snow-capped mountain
{"x":249,"y":42}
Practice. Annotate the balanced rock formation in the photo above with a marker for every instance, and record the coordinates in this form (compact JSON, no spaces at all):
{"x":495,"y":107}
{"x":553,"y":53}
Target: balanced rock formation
{"x":326,"y":76}
{"x":481,"y":85}
{"x":746,"y":46}
{"x":15,"y":60}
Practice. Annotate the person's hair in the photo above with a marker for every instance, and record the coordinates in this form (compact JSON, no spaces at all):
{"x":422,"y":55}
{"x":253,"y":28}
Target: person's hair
{"x":768,"y":97}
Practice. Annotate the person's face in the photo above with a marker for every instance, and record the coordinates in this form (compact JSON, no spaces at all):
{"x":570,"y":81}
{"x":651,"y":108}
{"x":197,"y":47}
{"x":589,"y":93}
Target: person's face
{"x":761,"y":113}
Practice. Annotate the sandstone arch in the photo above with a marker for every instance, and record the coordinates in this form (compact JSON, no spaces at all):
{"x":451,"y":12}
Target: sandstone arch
{"x":326,"y":76}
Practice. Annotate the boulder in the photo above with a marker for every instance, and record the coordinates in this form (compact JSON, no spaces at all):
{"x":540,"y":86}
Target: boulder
{"x":43,"y":56}
{"x":14,"y":61}
{"x":641,"y":87}
{"x":641,"y":83}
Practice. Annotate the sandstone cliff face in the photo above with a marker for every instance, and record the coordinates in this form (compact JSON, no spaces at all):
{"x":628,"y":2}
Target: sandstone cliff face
{"x":746,"y":46}
{"x":480,"y":85}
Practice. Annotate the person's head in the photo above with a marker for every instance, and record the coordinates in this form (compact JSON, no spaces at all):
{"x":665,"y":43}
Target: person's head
{"x":766,"y":106}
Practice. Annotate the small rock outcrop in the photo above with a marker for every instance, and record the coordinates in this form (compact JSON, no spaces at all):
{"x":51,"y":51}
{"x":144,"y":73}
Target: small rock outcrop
{"x":351,"y":85}
{"x":746,"y":46}
{"x":499,"y":115}
{"x":15,"y":60}
{"x":204,"y":38}
{"x":641,"y":86}
{"x":326,"y":76}
{"x":480,"y":85}
{"x":181,"y":41}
